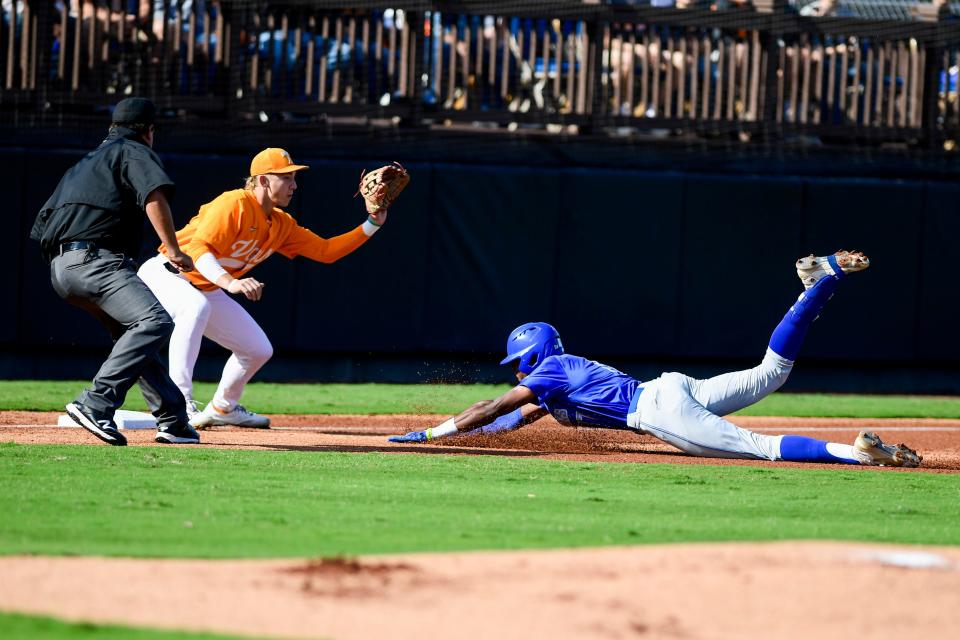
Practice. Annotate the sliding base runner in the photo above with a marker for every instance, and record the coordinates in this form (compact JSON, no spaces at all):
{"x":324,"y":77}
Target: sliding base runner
{"x":675,"y":408}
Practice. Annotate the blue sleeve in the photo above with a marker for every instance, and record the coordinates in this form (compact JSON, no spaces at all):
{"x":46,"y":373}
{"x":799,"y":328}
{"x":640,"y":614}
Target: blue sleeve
{"x":547,"y":380}
{"x":506,"y":422}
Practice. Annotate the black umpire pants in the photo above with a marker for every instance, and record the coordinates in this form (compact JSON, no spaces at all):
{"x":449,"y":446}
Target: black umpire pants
{"x":106,"y":285}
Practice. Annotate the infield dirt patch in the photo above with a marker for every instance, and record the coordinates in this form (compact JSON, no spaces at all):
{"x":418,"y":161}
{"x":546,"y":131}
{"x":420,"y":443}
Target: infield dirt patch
{"x":789,"y":591}
{"x":937,"y":440}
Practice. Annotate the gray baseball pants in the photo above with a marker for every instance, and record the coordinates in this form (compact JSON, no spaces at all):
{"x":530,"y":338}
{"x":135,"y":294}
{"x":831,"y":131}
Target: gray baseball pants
{"x":106,"y":285}
{"x":686,"y":412}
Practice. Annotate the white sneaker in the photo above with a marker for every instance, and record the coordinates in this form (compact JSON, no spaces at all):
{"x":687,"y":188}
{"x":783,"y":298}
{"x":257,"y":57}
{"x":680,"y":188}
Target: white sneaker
{"x":239,"y":417}
{"x":192,"y":409}
{"x":813,"y":268}
{"x":871,"y":451}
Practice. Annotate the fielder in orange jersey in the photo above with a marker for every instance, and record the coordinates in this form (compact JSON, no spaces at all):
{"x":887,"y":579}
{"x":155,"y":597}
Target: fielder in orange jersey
{"x":228,"y":237}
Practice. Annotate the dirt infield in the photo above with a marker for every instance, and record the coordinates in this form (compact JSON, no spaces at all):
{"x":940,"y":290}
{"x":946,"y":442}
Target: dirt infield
{"x":784,"y":590}
{"x":789,"y":591}
{"x":938,"y":441}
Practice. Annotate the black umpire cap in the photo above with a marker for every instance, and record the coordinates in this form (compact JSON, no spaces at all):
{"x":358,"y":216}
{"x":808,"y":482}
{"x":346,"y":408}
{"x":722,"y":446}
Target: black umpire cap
{"x":134,"y":111}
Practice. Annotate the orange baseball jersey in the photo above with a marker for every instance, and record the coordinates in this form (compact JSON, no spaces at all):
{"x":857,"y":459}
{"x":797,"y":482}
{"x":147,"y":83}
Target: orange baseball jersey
{"x":235,"y":229}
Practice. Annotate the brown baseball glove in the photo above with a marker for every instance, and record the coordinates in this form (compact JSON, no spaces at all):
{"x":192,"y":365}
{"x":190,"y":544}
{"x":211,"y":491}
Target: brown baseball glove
{"x":382,"y":186}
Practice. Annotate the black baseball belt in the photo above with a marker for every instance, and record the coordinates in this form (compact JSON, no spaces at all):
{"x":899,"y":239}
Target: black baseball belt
{"x":78,"y":245}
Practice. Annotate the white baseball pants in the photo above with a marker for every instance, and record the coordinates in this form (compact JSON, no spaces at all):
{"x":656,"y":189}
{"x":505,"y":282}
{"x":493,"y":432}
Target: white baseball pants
{"x":685,"y":412}
{"x":213,"y":314}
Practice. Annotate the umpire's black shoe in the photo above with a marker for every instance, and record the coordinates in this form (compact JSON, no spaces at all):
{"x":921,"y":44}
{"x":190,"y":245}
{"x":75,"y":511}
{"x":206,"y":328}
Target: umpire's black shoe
{"x":181,"y":433}
{"x":97,"y":424}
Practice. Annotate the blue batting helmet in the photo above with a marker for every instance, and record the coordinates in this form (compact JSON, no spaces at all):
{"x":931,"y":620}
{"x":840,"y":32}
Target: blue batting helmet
{"x":531,"y":344}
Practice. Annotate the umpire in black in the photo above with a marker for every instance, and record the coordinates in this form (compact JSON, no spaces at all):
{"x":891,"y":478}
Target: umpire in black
{"x":89,"y":230}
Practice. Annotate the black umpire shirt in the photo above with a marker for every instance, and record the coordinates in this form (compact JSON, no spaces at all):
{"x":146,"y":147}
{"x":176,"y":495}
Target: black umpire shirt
{"x":101,"y":199}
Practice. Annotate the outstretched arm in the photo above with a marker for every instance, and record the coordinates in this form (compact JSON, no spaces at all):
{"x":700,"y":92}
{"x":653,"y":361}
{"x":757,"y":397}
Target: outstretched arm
{"x":517,"y":418}
{"x":480,"y":414}
{"x":303,"y":242}
{"x":485,"y":411}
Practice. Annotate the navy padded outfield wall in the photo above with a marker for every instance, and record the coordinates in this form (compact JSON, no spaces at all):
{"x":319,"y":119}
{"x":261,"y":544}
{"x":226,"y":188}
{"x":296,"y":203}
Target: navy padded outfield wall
{"x":676,"y":269}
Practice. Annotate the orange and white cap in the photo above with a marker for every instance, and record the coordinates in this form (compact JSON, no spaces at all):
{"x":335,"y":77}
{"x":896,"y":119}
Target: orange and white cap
{"x":274,"y":160}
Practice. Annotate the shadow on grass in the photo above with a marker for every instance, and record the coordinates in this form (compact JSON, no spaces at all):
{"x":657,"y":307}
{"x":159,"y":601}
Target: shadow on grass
{"x":357,"y":448}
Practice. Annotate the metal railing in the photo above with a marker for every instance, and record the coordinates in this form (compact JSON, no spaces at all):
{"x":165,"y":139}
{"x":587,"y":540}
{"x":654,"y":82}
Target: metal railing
{"x":564,"y":66}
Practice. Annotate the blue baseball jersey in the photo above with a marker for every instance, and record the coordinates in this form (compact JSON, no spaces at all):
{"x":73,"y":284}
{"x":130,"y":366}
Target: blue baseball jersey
{"x":582,"y":392}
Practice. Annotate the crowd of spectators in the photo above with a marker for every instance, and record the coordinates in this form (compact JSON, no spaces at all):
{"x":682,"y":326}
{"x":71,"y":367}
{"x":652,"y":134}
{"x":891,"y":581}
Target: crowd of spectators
{"x":127,"y":46}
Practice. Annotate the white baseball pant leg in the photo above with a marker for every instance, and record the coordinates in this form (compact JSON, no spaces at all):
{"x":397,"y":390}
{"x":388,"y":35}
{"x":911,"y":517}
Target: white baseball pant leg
{"x":190,"y":311}
{"x":213,"y":314}
{"x":684,"y":411}
{"x":232,"y":327}
{"x":730,"y":392}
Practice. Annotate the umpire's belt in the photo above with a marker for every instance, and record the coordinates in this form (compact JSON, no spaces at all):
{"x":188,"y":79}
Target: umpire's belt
{"x":78,"y":245}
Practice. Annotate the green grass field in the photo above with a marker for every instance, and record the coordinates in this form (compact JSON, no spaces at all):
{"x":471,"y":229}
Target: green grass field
{"x":209,"y":503}
{"x":20,"y":627}
{"x":32,"y":395}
